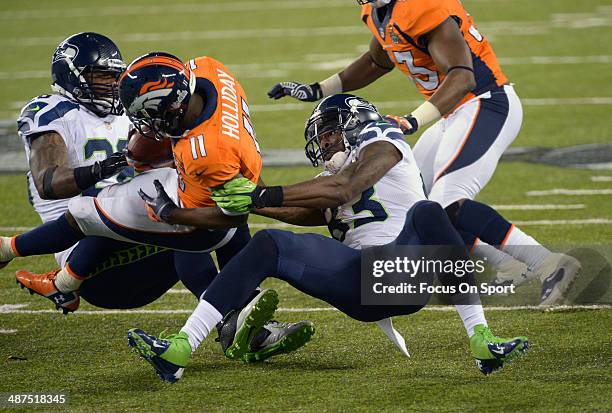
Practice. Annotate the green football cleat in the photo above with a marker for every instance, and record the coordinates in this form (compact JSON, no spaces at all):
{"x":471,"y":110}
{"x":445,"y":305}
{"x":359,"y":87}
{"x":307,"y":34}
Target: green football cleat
{"x":492,"y":352}
{"x":168,"y":355}
{"x":239,"y":328}
{"x":276,"y":338}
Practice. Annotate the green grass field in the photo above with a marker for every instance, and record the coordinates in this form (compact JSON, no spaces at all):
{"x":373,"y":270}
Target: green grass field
{"x":558,"y":54}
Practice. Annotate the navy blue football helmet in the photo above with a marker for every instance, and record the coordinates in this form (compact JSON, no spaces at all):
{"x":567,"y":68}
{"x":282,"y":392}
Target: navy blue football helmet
{"x":343,"y":112}
{"x":155,"y":91}
{"x":77,"y":65}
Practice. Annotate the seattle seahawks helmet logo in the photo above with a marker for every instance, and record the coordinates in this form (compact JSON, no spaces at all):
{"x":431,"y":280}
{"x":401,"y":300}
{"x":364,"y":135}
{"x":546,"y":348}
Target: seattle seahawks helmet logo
{"x":65,"y":51}
{"x":356,"y":103}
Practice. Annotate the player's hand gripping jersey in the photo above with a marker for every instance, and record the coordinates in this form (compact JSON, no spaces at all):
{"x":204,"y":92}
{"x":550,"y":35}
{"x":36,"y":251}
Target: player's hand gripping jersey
{"x":401,"y":34}
{"x":223,"y":144}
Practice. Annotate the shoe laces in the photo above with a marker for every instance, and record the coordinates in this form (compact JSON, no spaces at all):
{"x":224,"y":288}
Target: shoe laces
{"x":274,"y":323}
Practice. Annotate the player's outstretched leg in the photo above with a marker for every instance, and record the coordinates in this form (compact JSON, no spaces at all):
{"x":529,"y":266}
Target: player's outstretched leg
{"x":491,"y":353}
{"x":430,"y":224}
{"x":44,"y":285}
{"x":557,"y":272}
{"x":169,"y":355}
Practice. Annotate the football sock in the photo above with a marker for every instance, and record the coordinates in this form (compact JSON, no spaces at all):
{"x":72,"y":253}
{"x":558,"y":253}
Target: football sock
{"x":65,"y":281}
{"x":6,"y":250}
{"x":488,"y":225}
{"x":200,"y":323}
{"x":495,"y":257}
{"x":482,"y":221}
{"x":525,"y":248}
{"x":471,"y":315}
{"x":50,"y":237}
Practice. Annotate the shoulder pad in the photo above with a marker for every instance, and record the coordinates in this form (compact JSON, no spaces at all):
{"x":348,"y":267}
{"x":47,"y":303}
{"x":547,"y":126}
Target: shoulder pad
{"x":381,"y":129}
{"x":43,"y":110}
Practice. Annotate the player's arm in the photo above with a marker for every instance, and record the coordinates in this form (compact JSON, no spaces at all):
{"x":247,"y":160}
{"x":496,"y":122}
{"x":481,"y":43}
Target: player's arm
{"x":53,"y":176}
{"x":452,"y":56}
{"x":208,"y":218}
{"x":304,"y":217}
{"x":366,"y":69}
{"x":375,"y":160}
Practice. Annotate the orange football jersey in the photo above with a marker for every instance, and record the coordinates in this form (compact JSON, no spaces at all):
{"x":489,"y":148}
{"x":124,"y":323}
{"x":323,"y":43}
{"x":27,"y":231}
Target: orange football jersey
{"x":223,"y":144}
{"x":401,"y":34}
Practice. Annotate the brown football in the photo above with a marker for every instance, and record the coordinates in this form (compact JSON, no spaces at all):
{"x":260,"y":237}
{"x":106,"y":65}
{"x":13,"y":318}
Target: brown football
{"x":149,"y":151}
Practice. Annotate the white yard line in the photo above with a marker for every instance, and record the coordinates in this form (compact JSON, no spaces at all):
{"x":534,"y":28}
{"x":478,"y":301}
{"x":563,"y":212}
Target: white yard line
{"x":300,"y":310}
{"x":491,"y":29}
{"x":258,"y":225}
{"x":334,"y":61}
{"x":3,"y":331}
{"x":543,"y":222}
{"x":220,"y":7}
{"x":602,"y":178}
{"x":564,"y":191}
{"x":538,"y":207}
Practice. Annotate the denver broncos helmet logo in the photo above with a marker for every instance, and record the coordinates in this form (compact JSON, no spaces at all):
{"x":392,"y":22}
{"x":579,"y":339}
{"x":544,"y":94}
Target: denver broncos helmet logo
{"x":155,"y":85}
{"x":150,"y":95}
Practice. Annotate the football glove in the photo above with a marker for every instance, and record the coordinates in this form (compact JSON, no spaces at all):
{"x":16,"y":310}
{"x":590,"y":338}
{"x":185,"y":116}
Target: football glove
{"x":110,"y":166}
{"x":235,"y":196}
{"x":159,"y":207}
{"x":407,"y":123}
{"x":306,"y":93}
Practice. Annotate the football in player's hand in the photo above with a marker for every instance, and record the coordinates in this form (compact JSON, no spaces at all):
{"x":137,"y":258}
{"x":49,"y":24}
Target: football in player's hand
{"x":145,"y":152}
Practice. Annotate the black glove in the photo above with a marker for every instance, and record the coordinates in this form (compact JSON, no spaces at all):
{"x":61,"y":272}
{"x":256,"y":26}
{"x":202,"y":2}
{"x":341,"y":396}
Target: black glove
{"x":86,"y":176}
{"x":305,"y":93}
{"x":110,"y":166}
{"x":161,"y":206}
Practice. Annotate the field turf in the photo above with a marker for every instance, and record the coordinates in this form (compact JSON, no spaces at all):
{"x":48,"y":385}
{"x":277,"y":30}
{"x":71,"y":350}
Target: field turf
{"x":558,"y":54}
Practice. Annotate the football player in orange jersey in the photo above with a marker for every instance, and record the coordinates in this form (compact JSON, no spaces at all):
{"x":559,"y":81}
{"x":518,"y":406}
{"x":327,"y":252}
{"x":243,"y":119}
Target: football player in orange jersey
{"x":203,"y":108}
{"x":474,"y":115}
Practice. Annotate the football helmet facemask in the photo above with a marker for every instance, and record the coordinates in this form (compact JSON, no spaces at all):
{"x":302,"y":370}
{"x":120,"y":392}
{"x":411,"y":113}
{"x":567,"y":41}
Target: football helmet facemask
{"x":85,"y":68}
{"x":155,"y":91}
{"x":375,"y":3}
{"x":345,"y":113}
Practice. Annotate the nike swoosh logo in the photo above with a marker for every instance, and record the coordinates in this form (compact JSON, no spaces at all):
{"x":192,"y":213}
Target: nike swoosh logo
{"x":157,"y":345}
{"x":555,"y":277}
{"x":497,"y":350}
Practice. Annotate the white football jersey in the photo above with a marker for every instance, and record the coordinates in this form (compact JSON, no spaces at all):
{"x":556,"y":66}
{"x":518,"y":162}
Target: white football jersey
{"x":88,"y":139}
{"x":377,"y":215}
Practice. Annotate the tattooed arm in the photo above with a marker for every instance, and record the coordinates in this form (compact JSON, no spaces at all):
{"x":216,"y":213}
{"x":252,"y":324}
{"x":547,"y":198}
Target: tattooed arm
{"x":51,"y":172}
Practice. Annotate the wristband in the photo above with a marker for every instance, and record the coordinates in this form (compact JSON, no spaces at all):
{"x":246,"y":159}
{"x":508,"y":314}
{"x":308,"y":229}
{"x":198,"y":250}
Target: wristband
{"x":331,"y":86}
{"x":268,"y":196}
{"x":426,"y":113}
{"x":85,"y":176}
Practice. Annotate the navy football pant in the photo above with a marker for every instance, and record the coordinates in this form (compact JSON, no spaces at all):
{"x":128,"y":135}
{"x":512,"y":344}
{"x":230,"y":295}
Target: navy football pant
{"x":321,"y":266}
{"x":136,"y":275}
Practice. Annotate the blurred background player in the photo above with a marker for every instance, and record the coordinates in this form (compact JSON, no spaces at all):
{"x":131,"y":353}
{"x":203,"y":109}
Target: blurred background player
{"x":477,"y":115}
{"x":74,"y":140}
{"x":371,"y":195}
{"x":170,"y":100}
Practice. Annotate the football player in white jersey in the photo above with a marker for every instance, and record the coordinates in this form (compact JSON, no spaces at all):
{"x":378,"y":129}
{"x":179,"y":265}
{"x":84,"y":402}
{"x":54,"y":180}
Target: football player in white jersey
{"x":372,"y":195}
{"x":74,"y":140}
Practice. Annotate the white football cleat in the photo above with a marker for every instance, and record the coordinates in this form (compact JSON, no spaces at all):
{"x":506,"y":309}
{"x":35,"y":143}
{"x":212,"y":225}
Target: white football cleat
{"x":6,"y":252}
{"x":558,"y":273}
{"x":512,"y":272}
